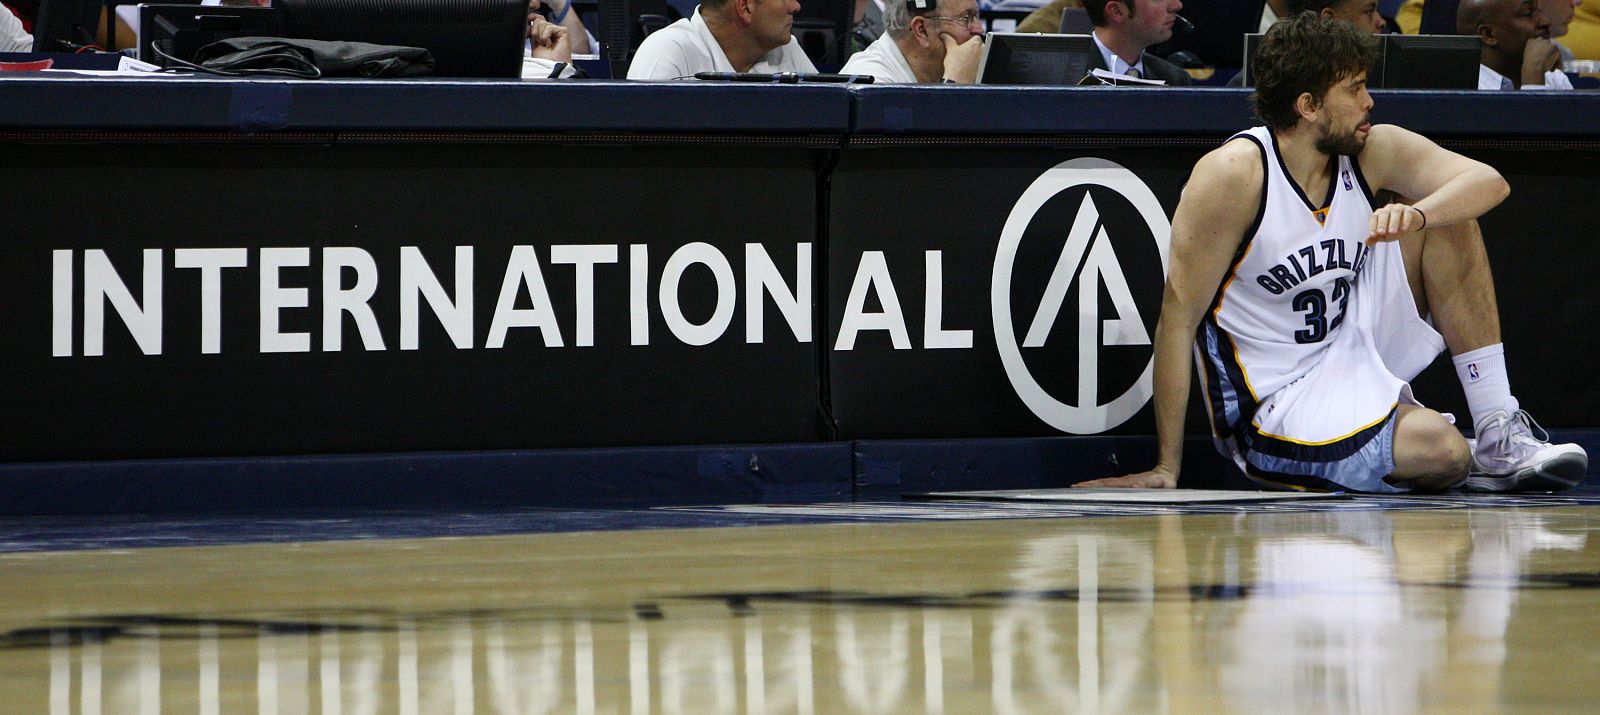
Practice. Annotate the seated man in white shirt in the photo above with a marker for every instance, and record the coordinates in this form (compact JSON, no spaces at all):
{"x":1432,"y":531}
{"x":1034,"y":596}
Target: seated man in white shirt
{"x":724,"y":36}
{"x":924,"y":41}
{"x":12,"y":37}
{"x":1517,"y":51}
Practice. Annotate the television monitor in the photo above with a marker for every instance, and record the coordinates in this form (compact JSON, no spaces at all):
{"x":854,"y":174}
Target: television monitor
{"x":823,"y":29}
{"x":468,"y":38}
{"x":1028,"y":58}
{"x":624,"y":24}
{"x":1430,"y":62}
{"x":1410,"y":62}
{"x":1439,"y":17}
{"x":1215,"y":30}
{"x":66,"y":25}
{"x":1252,"y":43}
{"x":169,"y":34}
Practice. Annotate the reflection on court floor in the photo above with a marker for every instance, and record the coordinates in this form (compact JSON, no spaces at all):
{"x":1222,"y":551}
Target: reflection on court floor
{"x":1392,"y":611}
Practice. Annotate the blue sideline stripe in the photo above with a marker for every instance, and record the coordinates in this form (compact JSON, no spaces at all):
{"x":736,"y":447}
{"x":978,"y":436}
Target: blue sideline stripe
{"x":629,"y":477}
{"x":607,"y":478}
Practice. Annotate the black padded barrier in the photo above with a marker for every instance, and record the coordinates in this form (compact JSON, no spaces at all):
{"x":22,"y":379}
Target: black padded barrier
{"x":827,"y":182}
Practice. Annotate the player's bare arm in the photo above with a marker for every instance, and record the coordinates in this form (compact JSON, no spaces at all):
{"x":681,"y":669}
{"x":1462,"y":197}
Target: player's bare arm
{"x":1449,"y":187}
{"x":1217,"y":207}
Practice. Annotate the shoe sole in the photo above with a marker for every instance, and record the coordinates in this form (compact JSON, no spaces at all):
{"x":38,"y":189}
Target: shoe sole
{"x":1556,"y":475}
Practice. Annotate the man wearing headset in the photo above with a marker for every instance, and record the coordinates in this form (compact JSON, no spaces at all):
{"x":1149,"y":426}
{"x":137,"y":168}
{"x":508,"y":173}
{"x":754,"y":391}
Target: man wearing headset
{"x":924,"y":41}
{"x":1122,"y":31}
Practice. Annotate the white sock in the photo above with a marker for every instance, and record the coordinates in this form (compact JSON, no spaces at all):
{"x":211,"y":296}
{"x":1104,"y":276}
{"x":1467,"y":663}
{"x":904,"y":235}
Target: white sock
{"x":1483,"y":377}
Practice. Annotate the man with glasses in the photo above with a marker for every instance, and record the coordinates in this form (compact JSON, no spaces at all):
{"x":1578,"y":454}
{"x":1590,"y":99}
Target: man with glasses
{"x":1122,"y":31}
{"x":924,"y":41}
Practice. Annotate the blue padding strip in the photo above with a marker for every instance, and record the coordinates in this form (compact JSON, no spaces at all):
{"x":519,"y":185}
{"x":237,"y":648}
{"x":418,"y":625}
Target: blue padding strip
{"x":1055,"y":462}
{"x":1496,"y":114}
{"x":69,"y":102}
{"x":698,"y":107}
{"x":573,"y":105}
{"x":260,"y":106}
{"x":980,"y":110}
{"x":609,"y":478}
{"x":877,"y":472}
{"x":1028,"y":463}
{"x":899,"y":119}
{"x":633,"y":477}
{"x":1001,"y":110}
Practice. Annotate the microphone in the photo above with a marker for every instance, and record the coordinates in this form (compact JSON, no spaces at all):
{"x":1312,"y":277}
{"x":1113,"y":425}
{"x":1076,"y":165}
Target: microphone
{"x":785,"y":77}
{"x":779,"y":77}
{"x":1183,"y":25}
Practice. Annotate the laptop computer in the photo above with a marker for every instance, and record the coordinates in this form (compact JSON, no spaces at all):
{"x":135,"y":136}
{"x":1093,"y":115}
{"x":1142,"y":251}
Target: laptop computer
{"x":1036,"y":59}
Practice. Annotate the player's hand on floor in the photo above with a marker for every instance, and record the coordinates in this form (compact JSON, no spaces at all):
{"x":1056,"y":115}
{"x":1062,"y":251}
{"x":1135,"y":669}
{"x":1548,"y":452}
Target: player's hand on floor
{"x":1153,"y":479}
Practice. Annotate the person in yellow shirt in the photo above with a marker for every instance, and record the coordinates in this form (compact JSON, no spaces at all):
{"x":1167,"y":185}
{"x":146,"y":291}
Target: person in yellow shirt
{"x":1575,"y":22}
{"x":1583,"y":35}
{"x":1409,"y":18}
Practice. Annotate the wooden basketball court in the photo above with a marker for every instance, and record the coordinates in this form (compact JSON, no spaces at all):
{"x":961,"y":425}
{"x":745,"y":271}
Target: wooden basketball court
{"x":1442,"y":605}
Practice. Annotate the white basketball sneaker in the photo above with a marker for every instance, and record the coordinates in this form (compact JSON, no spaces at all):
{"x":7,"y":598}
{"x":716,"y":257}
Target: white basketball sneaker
{"x":1507,"y":457}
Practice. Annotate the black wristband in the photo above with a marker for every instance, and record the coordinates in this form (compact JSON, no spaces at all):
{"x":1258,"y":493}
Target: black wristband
{"x":1424,"y":218}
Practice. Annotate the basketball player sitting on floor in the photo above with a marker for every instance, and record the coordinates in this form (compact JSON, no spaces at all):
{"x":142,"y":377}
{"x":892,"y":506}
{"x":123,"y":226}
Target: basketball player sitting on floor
{"x":1306,"y":307}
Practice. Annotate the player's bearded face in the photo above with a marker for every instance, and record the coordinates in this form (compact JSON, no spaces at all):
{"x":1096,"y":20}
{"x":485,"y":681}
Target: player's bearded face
{"x":1339,"y":136}
{"x":1342,"y":124}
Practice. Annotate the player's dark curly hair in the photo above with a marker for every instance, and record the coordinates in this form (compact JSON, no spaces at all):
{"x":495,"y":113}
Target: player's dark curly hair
{"x":1303,"y":54}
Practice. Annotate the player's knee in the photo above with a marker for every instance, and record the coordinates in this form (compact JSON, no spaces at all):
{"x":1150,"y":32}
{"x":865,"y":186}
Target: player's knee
{"x":1429,"y":453}
{"x":1446,"y":460}
{"x":1459,"y":231}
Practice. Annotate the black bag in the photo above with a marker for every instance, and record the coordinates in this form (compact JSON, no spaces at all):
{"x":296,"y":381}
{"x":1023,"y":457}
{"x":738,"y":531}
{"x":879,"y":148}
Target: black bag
{"x":312,"y":58}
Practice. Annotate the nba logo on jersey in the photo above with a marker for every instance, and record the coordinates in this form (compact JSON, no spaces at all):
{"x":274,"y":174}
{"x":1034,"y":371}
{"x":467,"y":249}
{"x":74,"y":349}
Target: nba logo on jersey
{"x":1345,"y":175}
{"x":1472,"y":371}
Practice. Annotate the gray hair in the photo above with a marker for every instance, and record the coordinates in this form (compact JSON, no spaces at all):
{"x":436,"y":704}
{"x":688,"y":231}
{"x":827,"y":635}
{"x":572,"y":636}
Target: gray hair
{"x":897,"y":17}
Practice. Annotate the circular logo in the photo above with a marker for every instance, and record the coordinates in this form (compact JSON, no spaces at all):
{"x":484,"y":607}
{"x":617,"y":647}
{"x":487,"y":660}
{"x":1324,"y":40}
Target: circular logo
{"x":1088,"y":248}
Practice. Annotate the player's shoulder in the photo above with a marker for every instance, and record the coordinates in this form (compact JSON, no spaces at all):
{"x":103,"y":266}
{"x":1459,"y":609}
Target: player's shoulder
{"x":1238,"y":162}
{"x":1390,"y":147}
{"x":1385,"y":138}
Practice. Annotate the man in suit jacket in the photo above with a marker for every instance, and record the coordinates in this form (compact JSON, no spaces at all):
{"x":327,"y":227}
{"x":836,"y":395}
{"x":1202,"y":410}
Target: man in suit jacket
{"x":1124,"y":28}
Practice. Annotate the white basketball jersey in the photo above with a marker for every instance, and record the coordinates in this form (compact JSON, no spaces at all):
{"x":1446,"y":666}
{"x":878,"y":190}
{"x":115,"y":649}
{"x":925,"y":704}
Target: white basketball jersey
{"x":1285,"y":296}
